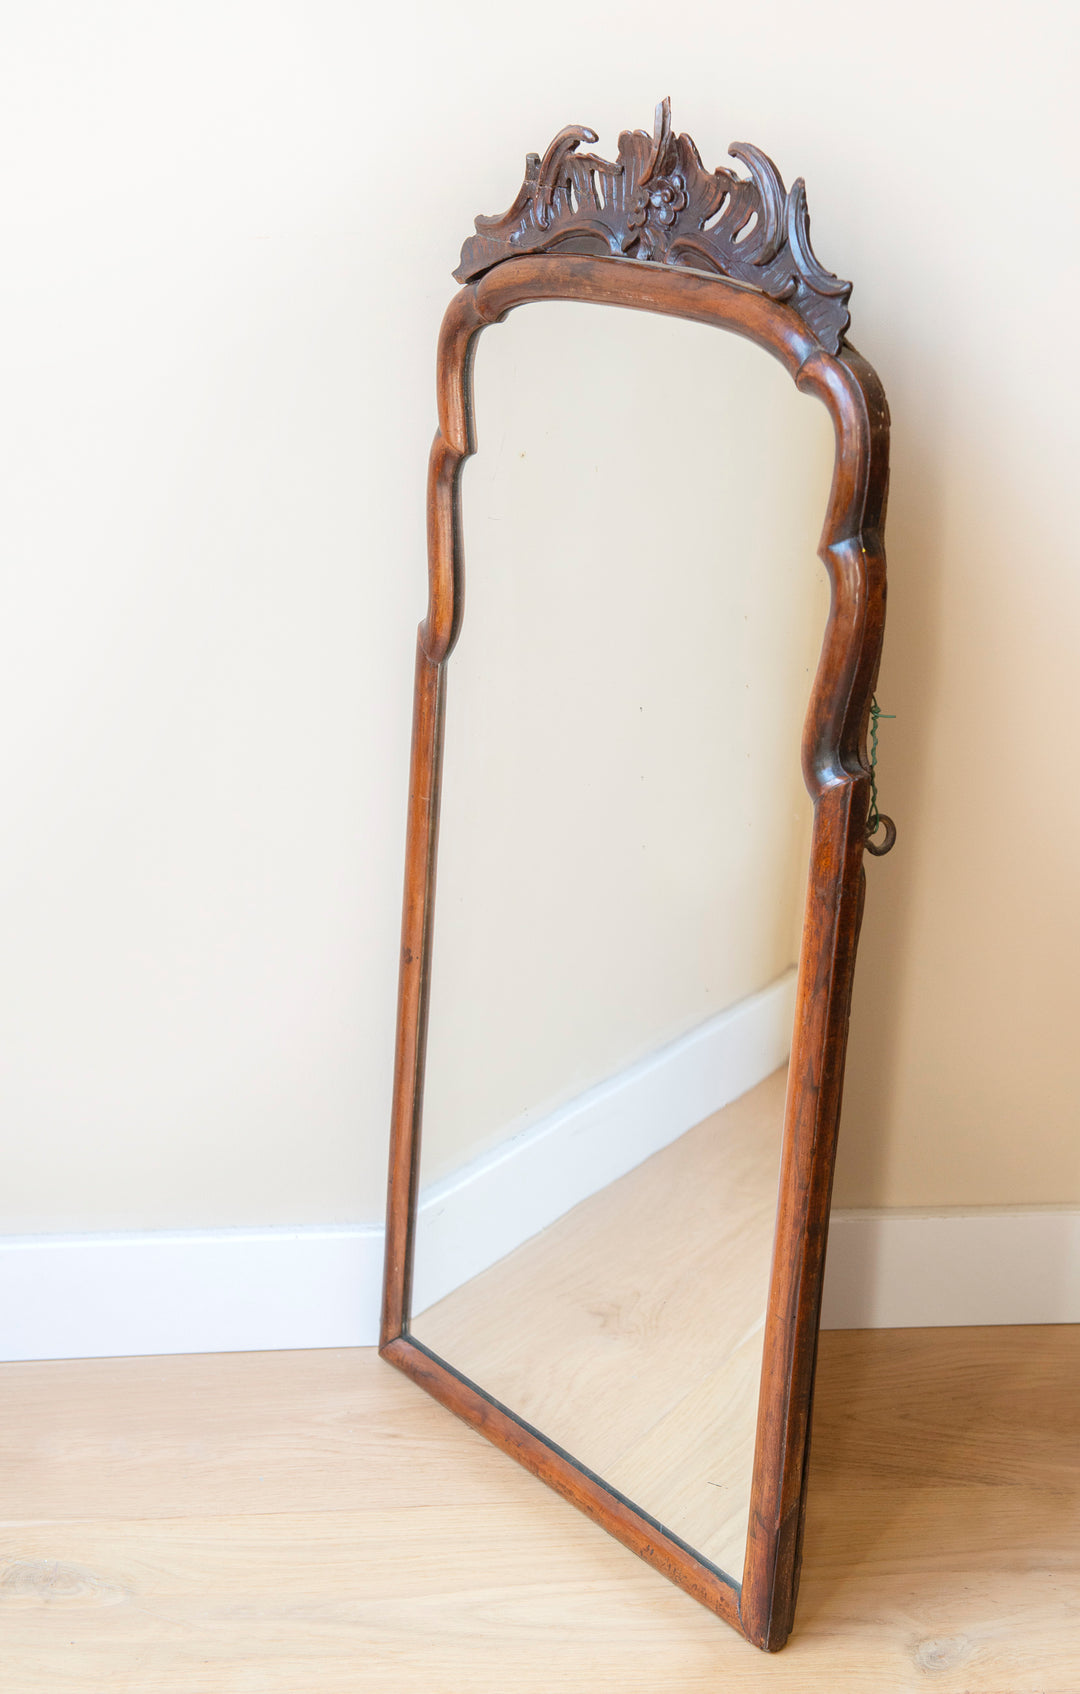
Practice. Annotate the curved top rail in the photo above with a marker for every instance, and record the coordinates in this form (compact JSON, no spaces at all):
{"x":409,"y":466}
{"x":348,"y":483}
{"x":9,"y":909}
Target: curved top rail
{"x":851,"y":546}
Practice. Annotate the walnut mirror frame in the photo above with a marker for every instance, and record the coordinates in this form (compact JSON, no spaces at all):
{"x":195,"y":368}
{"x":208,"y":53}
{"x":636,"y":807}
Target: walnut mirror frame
{"x":656,"y":232}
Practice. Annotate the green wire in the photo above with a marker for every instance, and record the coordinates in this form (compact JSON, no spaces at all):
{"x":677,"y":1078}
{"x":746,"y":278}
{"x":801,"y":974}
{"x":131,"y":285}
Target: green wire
{"x":876,"y":713}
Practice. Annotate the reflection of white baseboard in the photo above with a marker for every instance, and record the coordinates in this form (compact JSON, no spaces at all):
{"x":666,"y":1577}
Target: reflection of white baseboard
{"x":910,"y":1270}
{"x":244,"y":1290}
{"x":539,"y":1172}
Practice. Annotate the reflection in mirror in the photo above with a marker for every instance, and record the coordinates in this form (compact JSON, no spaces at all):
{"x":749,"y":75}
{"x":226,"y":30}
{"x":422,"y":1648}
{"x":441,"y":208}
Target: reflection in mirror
{"x":622,"y":864}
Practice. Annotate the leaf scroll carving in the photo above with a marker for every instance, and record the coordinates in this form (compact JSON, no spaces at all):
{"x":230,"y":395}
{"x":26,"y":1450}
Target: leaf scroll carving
{"x":658,"y":204}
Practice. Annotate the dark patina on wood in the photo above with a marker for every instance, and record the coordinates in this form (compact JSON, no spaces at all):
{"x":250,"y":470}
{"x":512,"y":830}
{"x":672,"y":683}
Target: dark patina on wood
{"x":785,"y":322}
{"x":658,"y":203}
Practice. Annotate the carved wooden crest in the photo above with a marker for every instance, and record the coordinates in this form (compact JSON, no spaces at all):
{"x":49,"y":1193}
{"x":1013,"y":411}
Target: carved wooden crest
{"x":658,"y":203}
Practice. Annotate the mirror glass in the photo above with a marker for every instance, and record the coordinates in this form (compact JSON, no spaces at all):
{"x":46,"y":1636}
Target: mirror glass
{"x":619,"y":898}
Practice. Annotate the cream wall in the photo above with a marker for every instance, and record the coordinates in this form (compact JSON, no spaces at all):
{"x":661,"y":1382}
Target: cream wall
{"x":228,"y":231}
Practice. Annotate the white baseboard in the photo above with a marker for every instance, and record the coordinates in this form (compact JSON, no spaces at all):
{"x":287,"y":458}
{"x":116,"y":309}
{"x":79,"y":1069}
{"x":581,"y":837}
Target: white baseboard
{"x":192,"y":1291}
{"x":915,"y":1270}
{"x":249,"y":1290}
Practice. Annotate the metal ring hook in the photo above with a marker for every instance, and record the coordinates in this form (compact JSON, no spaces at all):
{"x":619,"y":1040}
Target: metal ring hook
{"x":880,"y":848}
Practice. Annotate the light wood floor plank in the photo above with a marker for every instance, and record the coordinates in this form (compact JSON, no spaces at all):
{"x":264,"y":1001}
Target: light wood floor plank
{"x":311,"y":1523}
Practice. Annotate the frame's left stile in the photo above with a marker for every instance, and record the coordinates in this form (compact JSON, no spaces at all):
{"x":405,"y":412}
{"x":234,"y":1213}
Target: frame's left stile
{"x":434,"y":642}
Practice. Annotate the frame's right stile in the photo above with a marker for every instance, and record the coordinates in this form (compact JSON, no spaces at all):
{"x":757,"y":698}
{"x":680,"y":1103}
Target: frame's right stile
{"x":834,"y":763}
{"x":836,"y":776}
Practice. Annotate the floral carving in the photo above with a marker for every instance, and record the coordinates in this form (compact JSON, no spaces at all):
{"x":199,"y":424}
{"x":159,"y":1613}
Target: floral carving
{"x":657,"y":203}
{"x":651,"y":222}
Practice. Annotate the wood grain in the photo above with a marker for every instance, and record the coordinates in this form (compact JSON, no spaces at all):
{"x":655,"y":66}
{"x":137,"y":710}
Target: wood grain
{"x":308,"y":1524}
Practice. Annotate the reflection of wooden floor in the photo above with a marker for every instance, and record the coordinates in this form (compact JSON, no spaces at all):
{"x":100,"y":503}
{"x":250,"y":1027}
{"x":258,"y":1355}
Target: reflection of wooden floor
{"x":630,"y":1331}
{"x":312,"y":1523}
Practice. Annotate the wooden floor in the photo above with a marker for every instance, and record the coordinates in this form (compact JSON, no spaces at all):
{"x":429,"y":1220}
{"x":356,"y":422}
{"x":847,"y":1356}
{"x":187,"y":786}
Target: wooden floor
{"x":312,"y":1522}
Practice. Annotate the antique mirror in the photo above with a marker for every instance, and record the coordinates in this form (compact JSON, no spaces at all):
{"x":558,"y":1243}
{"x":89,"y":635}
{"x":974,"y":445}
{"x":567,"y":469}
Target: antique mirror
{"x":623,"y":1015}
